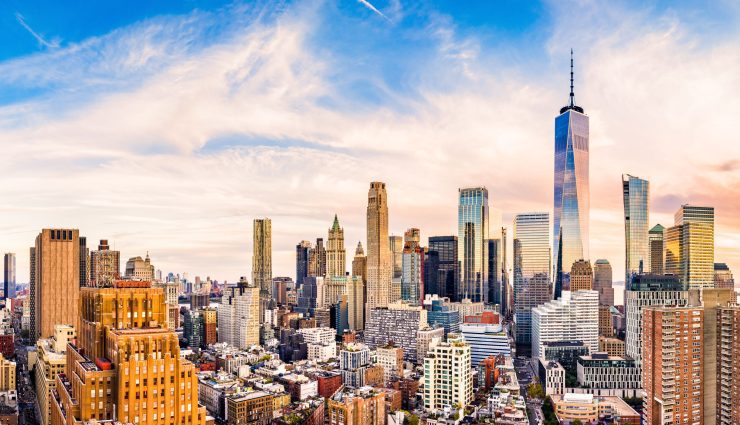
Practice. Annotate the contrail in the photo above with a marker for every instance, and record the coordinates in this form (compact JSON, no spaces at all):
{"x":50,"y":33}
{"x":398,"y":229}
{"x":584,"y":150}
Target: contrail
{"x":374,"y":9}
{"x":42,"y":41}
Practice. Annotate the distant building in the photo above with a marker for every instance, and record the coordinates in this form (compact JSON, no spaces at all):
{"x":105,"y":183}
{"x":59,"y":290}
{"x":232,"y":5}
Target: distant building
{"x":262,"y":254}
{"x":655,"y":238}
{"x":391,"y":359}
{"x":9,"y":275}
{"x":379,"y":263}
{"x":301,"y":262}
{"x":51,"y":360}
{"x":426,"y":338}
{"x":441,"y":315}
{"x":448,"y":266}
{"x":581,"y":276}
{"x":603,"y":282}
{"x":689,"y":246}
{"x":105,"y":265}
{"x":566,"y":353}
{"x":238,"y":315}
{"x":723,"y":276}
{"x":602,"y":371}
{"x":612,"y":346}
{"x":636,"y":193}
{"x":361,"y":406}
{"x":354,"y":359}
{"x":336,"y":257}
{"x":138,"y":268}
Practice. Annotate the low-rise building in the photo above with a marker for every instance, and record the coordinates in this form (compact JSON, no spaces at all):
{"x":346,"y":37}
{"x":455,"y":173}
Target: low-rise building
{"x":253,"y":407}
{"x":391,"y":359}
{"x":213,"y":389}
{"x":603,"y":371}
{"x":611,"y":346}
{"x":588,"y":408}
{"x":360,"y":406}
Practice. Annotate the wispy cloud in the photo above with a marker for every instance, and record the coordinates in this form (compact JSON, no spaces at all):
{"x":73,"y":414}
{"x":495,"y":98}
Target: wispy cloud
{"x":51,"y":44}
{"x":374,"y":9}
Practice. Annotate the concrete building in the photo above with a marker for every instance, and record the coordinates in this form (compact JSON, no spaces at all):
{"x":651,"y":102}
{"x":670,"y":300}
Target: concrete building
{"x":51,"y":360}
{"x":588,"y":408}
{"x":576,"y":318}
{"x":138,"y":268}
{"x":354,"y":359}
{"x":606,"y":325}
{"x":7,"y":374}
{"x":378,"y":253}
{"x":359,"y":264}
{"x":581,"y":276}
{"x":122,"y":353}
{"x":672,"y":371}
{"x":657,"y":250}
{"x":485,"y":341}
{"x":251,"y":407}
{"x":391,"y":359}
{"x":612,"y":346}
{"x":360,"y":406}
{"x":602,"y":371}
{"x":238,"y":315}
{"x":552,"y":377}
{"x":105,"y":265}
{"x":448,"y":377}
{"x":262,"y":255}
{"x":398,"y":323}
{"x":336,"y":257}
{"x":426,"y":338}
{"x":603,"y":282}
{"x":55,"y":292}
{"x":689,"y":246}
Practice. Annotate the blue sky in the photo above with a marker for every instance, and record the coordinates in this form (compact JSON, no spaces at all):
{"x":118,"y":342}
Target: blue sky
{"x":167,"y":126}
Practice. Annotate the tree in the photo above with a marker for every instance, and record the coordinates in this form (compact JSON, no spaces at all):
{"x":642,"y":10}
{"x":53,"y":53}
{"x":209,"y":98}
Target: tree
{"x":534,"y":390}
{"x":577,"y":422}
{"x":411,"y":419}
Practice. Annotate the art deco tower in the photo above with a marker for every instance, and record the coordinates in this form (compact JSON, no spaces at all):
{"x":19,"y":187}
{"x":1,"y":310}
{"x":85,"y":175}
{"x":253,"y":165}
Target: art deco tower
{"x":571,"y":189}
{"x":262,"y":255}
{"x":335,"y":255}
{"x":378,"y":250}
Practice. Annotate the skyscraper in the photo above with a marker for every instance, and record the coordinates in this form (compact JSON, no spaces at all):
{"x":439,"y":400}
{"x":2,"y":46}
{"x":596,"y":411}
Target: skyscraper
{"x":581,"y":276}
{"x":412,"y":270}
{"x":603,"y":282}
{"x":317,"y":259}
{"x":571,"y":190}
{"x":302,"y":251}
{"x":655,"y":238}
{"x":448,"y":272}
{"x":336,"y":257}
{"x":9,"y":275}
{"x":636,"y":192}
{"x":689,"y":246}
{"x":262,"y":255}
{"x":395,"y":244}
{"x":494,"y":290}
{"x":56,"y":295}
{"x":723,"y":276}
{"x":472,"y":247}
{"x":105,"y":265}
{"x":531,"y":270}
{"x":379,"y":269}
{"x":359,"y":264}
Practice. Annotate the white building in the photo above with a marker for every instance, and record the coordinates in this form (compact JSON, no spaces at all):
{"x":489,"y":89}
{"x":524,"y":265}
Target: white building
{"x":576,"y":318}
{"x":552,"y":377}
{"x":448,"y":378}
{"x":238,"y":316}
{"x":319,"y":335}
{"x":322,"y":352}
{"x":427,"y":338}
{"x":391,"y":358}
{"x":485,"y":340}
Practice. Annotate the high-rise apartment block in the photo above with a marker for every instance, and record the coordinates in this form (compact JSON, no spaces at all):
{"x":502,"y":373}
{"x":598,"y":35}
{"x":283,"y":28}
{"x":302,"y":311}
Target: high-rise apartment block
{"x":56,"y":281}
{"x":448,"y":378}
{"x":728,"y":366}
{"x":689,"y":246}
{"x":105,"y":265}
{"x":672,"y":373}
{"x":379,"y":267}
{"x":395,"y":245}
{"x":126,"y":366}
{"x":472,"y":245}
{"x":531,"y":269}
{"x":238,"y":315}
{"x":571,"y":204}
{"x":9,"y":275}
{"x":262,"y":255}
{"x":336,"y":257}
{"x":636,"y":193}
{"x":576,"y":318}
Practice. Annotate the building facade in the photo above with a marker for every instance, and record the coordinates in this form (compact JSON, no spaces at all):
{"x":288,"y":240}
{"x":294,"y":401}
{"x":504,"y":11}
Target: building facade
{"x":262,"y":254}
{"x":576,"y":318}
{"x":603,"y":282}
{"x":581,"y":276}
{"x":636,"y":193}
{"x":105,"y":265}
{"x":379,"y":267}
{"x":448,"y":266}
{"x":9,"y":275}
{"x":657,"y":251}
{"x":689,"y":246}
{"x":398,"y":324}
{"x":448,"y":379}
{"x":472,"y":246}
{"x":336,"y":257}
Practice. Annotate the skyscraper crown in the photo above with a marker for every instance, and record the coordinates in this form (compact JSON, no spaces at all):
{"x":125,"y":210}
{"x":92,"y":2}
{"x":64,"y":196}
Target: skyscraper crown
{"x":572,"y":104}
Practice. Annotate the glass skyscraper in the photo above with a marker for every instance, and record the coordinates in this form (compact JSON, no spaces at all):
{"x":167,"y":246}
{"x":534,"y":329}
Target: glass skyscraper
{"x":636,"y":193}
{"x":472,"y":245}
{"x":689,"y":246}
{"x":571,"y":189}
{"x":447,"y":267}
{"x":532,"y":267}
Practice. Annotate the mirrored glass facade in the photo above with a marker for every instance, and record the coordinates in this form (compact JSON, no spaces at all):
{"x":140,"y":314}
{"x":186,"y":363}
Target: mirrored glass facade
{"x":571,"y":190}
{"x":636,"y":225}
{"x":472,"y":245}
{"x":532,"y":267}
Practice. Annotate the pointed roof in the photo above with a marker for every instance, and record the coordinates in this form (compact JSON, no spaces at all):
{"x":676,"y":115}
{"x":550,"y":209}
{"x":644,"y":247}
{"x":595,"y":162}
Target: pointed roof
{"x":359,"y":250}
{"x":335,"y":226}
{"x":572,"y":104}
{"x":657,"y":229}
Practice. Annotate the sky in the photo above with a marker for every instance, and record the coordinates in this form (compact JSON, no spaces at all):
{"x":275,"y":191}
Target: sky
{"x":167,"y":127}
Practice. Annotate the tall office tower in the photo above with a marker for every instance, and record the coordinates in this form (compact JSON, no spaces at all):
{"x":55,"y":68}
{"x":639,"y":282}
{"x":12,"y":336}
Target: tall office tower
{"x":723,"y":276}
{"x":581,"y":276}
{"x":448,"y":273}
{"x":262,"y":255}
{"x":238,"y":315}
{"x":655,"y":239}
{"x":105,"y":265}
{"x":84,"y":262}
{"x":531,"y":270}
{"x":472,"y":233}
{"x":396,"y":248}
{"x":57,"y":280}
{"x":572,"y":195}
{"x":507,"y":296}
{"x":689,"y":246}
{"x":636,"y":192}
{"x":379,"y":266}
{"x":576,"y":318}
{"x":317,"y":259}
{"x":649,"y":291}
{"x":336,"y":258}
{"x":9,"y":275}
{"x":125,"y":367}
{"x":431,"y":271}
{"x":672,"y":375}
{"x":494,"y":290}
{"x":32,"y":293}
{"x":302,"y":251}
{"x":359,"y":263}
{"x":138,"y":268}
{"x":356,"y":303}
{"x":728,"y":365}
{"x":412,"y":268}
{"x":603,"y":282}
{"x":448,"y":379}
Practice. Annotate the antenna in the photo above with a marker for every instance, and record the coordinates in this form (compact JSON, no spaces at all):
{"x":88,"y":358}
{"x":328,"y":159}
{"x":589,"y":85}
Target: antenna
{"x":572,"y":96}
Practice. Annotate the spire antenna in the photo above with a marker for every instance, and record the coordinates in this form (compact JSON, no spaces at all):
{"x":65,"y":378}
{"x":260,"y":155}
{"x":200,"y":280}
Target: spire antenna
{"x":572,"y":95}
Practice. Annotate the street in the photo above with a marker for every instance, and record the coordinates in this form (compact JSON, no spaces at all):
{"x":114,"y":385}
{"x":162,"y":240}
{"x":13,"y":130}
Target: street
{"x":525,"y":374}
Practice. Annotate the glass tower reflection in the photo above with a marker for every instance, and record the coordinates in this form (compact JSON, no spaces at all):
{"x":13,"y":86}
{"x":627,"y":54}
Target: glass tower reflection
{"x":472,"y":245}
{"x":571,"y":189}
{"x":636,"y":224}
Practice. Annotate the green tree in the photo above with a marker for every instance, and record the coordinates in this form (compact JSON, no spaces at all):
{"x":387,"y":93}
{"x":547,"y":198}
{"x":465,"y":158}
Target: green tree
{"x":411,"y":419}
{"x":534,"y":390}
{"x":577,"y":422}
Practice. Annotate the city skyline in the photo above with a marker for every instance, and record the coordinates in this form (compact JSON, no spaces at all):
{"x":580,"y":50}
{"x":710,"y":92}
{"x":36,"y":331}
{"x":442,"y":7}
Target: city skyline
{"x":182,"y":194}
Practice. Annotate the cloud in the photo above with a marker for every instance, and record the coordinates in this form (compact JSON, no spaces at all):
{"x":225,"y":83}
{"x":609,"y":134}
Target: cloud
{"x":172,"y":134}
{"x":51,"y":44}
{"x":368,"y":5}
